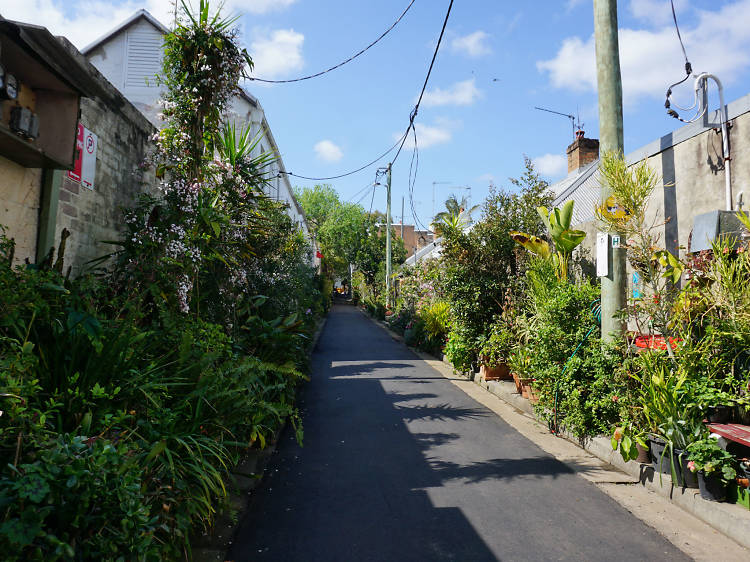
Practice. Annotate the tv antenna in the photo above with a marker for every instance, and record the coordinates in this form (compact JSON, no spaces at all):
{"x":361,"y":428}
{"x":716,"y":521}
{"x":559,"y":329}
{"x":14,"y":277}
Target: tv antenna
{"x":575,"y":121}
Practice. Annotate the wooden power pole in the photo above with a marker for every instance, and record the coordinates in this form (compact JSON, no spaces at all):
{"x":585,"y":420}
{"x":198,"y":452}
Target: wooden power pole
{"x":609,"y":81}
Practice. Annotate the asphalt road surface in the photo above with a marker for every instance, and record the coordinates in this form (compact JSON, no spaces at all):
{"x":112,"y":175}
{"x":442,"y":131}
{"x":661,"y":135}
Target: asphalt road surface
{"x":398,"y":465}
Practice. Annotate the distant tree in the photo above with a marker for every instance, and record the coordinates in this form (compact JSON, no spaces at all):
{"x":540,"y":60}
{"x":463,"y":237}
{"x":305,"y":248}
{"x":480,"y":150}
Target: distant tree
{"x":457,"y":214}
{"x":340,"y":237}
{"x":318,"y":202}
{"x":480,"y":265}
{"x":370,"y":258}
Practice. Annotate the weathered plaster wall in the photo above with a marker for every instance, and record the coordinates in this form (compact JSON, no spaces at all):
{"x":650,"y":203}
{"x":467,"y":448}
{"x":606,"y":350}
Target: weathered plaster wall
{"x":691,"y":166}
{"x":694,"y":179}
{"x":20,"y":194}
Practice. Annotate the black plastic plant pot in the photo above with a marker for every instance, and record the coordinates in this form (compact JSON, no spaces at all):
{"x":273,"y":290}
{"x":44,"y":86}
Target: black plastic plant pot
{"x":657,"y":446}
{"x":719,"y":414}
{"x":687,"y":478}
{"x":711,"y":487}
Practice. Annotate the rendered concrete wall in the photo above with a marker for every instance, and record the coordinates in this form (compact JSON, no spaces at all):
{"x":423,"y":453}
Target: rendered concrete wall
{"x":20,"y":194}
{"x":691,"y":166}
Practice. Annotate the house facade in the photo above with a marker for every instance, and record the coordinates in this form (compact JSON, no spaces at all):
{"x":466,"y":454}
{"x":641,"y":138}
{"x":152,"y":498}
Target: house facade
{"x":693,"y":175}
{"x":130,"y":57}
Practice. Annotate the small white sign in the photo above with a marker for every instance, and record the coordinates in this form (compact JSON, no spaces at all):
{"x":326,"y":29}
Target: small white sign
{"x":602,"y":254}
{"x":88,"y":158}
{"x":615,"y":241}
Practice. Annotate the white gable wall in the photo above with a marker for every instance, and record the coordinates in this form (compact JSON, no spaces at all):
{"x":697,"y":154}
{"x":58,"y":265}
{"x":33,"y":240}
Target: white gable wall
{"x":131,"y":57}
{"x":130,"y":60}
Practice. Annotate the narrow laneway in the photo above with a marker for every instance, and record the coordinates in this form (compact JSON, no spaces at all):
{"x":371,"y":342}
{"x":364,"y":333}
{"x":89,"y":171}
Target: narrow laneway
{"x":399,"y":464}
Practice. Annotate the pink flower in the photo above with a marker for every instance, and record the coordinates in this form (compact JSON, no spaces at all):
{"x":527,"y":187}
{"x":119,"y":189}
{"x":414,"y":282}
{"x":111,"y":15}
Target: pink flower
{"x":691,"y":466}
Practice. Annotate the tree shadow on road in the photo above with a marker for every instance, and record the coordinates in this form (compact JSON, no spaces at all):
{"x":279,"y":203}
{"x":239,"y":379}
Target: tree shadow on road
{"x":499,"y":469}
{"x":439,"y":412}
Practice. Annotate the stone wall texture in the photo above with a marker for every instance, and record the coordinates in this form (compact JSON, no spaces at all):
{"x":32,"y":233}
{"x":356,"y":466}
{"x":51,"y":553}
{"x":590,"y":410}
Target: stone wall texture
{"x":94,"y":217}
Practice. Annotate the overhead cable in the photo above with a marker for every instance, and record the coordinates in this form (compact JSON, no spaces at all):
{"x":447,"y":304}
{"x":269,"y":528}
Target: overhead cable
{"x":688,"y":72}
{"x":412,"y":116}
{"x":339,"y":65}
{"x":414,"y":112}
{"x":353,"y":171}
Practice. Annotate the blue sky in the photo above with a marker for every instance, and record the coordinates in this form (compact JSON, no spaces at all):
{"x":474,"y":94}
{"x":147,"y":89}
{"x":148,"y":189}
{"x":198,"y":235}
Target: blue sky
{"x":498,"y":60}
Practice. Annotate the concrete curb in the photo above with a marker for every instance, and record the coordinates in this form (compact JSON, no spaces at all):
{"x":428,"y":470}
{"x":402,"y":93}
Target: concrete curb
{"x":729,"y":519}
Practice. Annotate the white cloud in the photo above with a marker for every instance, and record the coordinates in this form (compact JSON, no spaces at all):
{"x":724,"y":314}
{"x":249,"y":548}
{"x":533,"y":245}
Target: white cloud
{"x":89,"y":21}
{"x":430,"y":135}
{"x":656,"y":12}
{"x":651,"y":59}
{"x":276,"y":53}
{"x":258,"y":6}
{"x":474,"y":44}
{"x":551,"y":165}
{"x":486,"y":178}
{"x":328,"y":151}
{"x":461,"y":93}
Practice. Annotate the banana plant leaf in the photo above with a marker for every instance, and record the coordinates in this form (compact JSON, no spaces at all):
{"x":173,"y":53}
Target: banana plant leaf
{"x":567,"y":240}
{"x":532,"y":243}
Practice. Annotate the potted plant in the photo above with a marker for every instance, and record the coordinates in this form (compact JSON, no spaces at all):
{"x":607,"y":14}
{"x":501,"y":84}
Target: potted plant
{"x":673,"y":419}
{"x":519,"y":362}
{"x":632,"y":443}
{"x":715,"y":468}
{"x":493,"y":355}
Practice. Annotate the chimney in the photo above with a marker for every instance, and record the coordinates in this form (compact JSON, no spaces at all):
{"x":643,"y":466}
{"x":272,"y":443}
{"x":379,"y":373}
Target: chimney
{"x":582,"y":151}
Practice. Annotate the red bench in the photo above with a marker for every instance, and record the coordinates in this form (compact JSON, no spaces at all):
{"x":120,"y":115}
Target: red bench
{"x":732,"y":431}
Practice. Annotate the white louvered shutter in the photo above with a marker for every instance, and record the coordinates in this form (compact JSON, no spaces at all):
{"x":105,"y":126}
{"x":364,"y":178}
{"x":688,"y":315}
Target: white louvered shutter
{"x":143,"y":61}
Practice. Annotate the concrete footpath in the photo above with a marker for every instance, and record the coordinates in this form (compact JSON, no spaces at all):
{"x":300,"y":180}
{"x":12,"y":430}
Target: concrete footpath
{"x":404,"y":461}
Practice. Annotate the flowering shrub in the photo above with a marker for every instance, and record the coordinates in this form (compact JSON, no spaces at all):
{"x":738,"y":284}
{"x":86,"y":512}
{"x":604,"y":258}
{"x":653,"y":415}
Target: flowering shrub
{"x":124,"y":399}
{"x":705,"y":455}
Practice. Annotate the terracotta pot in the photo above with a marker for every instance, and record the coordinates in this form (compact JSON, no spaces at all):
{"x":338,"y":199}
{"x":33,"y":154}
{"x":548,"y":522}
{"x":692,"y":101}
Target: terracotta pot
{"x":517,"y":380}
{"x":495,"y":373}
{"x":526,"y":387}
{"x":532,"y":394}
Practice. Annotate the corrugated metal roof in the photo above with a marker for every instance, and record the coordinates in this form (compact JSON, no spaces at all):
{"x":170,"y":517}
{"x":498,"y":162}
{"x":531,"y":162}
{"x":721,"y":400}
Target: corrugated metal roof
{"x":583,"y":188}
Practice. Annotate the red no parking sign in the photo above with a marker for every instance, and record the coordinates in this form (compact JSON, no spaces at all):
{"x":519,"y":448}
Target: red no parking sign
{"x":84,"y":167}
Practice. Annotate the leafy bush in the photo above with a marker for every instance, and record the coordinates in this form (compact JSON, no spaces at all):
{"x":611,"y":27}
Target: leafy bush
{"x":578,"y":386}
{"x":460,"y":348}
{"x":82,"y":498}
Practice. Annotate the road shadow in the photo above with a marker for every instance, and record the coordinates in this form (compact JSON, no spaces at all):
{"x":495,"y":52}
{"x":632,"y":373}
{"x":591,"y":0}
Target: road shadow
{"x":393,"y":470}
{"x":499,"y":469}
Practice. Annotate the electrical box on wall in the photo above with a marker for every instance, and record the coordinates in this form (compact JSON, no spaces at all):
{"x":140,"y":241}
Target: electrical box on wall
{"x":712,"y":226}
{"x":41,"y":84}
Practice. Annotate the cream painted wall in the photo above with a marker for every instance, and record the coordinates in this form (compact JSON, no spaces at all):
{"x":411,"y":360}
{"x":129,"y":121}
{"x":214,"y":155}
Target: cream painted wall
{"x":20,"y":195}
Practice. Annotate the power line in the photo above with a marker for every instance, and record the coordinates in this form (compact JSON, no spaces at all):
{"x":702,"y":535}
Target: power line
{"x":400,"y":142}
{"x":688,"y":70}
{"x":365,"y":194}
{"x":364,"y":190}
{"x":348,"y":173}
{"x":378,"y":173}
{"x":677,"y":27}
{"x":414,"y":112}
{"x":339,"y":65}
{"x":413,"y":181}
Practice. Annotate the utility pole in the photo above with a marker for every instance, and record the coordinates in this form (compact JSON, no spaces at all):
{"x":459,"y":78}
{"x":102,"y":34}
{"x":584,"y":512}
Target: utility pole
{"x":388,"y":242}
{"x":609,"y":81}
{"x":402,"y":218}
